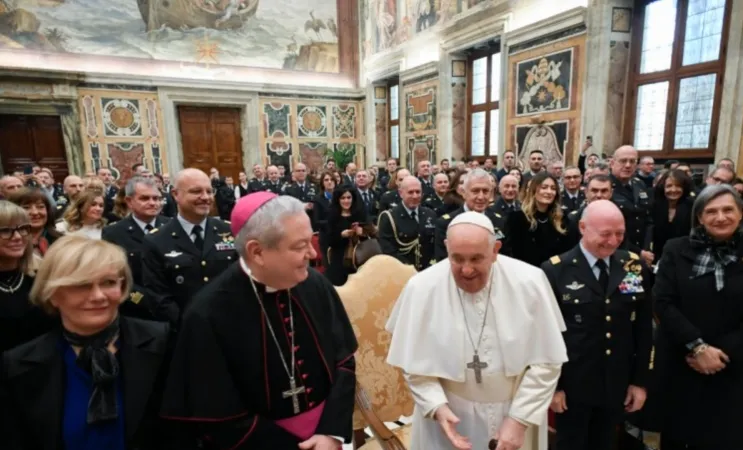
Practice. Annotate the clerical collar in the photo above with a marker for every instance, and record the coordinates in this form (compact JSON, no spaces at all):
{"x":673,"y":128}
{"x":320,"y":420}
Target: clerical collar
{"x":248,"y":272}
{"x":590,"y":258}
{"x":188,"y":226}
{"x":143,"y":225}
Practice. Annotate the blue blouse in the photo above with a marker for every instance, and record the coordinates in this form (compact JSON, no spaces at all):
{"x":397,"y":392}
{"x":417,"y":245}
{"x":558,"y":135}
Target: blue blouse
{"x":77,"y":434}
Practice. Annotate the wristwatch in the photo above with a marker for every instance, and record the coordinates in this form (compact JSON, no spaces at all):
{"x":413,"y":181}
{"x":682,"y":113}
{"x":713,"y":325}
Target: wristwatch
{"x":694,"y":344}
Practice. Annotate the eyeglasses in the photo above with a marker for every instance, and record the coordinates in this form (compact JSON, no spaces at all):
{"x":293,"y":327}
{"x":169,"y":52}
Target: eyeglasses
{"x":8,"y":233}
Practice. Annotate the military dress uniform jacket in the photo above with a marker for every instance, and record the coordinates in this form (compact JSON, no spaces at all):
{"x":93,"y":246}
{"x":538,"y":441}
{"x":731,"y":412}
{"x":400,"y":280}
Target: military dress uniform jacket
{"x":173,"y":268}
{"x":570,"y":204}
{"x":371,"y":206}
{"x":442,"y":224}
{"x":608,"y":337}
{"x":502,"y":208}
{"x":256,"y":185}
{"x":635,"y":203}
{"x":128,"y":235}
{"x":406,"y":239}
{"x":389,"y":200}
{"x":434,"y":203}
{"x":305,"y":193}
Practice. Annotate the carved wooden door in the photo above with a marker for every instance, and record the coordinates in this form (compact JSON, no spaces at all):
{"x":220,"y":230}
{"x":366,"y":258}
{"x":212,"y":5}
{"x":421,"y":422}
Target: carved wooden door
{"x":211,"y":137}
{"x":31,"y":139}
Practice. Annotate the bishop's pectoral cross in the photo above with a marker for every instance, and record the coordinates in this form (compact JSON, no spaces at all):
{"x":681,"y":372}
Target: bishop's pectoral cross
{"x":477,"y":366}
{"x":293,"y":392}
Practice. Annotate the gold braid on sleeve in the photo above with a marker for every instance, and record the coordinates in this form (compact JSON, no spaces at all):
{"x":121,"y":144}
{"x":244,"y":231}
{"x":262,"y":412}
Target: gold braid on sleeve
{"x":403,"y":247}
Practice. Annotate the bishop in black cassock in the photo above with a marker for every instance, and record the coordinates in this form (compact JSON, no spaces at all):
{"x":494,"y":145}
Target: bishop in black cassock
{"x":228,"y":381}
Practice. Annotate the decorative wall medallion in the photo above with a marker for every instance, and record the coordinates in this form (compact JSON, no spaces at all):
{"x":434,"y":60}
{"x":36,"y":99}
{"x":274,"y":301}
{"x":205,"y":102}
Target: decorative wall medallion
{"x":91,"y":128}
{"x":121,"y":117}
{"x":543,"y":84}
{"x":276,"y":120}
{"x":344,"y":121}
{"x":312,"y":121}
{"x":421,"y":109}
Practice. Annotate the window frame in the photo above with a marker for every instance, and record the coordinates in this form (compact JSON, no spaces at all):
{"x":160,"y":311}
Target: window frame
{"x":391,"y":123}
{"x":485,"y":107}
{"x":673,"y":76}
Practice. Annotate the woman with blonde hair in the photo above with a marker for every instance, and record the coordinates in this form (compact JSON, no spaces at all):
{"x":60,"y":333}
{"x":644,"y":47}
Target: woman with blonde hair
{"x":94,"y":184}
{"x":94,"y":382}
{"x":19,"y":320}
{"x":539,"y":230}
{"x":41,"y":216}
{"x":85,"y":215}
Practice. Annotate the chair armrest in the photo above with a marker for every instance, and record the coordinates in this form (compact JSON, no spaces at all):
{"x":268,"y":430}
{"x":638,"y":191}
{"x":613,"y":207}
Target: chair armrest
{"x":384,"y":436}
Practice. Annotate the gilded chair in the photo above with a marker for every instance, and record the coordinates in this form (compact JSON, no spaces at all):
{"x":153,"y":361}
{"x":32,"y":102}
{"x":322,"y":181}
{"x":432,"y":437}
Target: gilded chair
{"x":381,"y":393}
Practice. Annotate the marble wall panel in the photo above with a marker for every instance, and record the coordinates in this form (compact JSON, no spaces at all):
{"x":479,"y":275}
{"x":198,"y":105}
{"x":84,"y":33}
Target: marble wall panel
{"x":121,"y":126}
{"x":419,"y":121}
{"x":459,"y":118}
{"x":381,"y":130}
{"x":618,"y":64}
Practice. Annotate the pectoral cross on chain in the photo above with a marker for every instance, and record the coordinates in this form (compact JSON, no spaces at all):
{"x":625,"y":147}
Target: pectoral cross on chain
{"x":477,"y":366}
{"x":293,"y":392}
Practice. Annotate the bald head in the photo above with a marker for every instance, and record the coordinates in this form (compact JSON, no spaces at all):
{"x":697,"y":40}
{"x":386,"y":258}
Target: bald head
{"x":624,"y":163}
{"x":410,"y":192}
{"x":72,"y":186}
{"x":187,"y":175}
{"x":602,"y":227}
{"x":509,"y":188}
{"x":193,"y":193}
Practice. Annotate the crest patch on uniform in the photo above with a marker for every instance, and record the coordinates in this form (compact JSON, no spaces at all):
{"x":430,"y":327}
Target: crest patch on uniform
{"x":173,"y":254}
{"x":574,"y":286}
{"x":136,"y":297}
{"x":555,"y":260}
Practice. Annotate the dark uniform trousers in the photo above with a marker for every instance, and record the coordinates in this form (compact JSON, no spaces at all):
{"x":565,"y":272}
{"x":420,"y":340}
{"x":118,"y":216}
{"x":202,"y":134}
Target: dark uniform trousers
{"x":442,"y":224}
{"x":174,"y":269}
{"x":609,"y":342}
{"x":635,"y":203}
{"x":407,"y":239}
{"x":128,"y":235}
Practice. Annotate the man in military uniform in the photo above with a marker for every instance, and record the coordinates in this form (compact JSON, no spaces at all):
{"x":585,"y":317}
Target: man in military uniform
{"x":258,"y":182}
{"x":274,"y":183}
{"x":604,"y":295}
{"x":73,"y":185}
{"x":631,"y":196}
{"x":391,"y":198}
{"x":407,"y":230}
{"x":435,"y":201}
{"x":508,"y":200}
{"x":599,"y":187}
{"x":302,"y":190}
{"x":572,"y":195}
{"x":182,"y":256}
{"x":424,"y":175}
{"x":477,"y":192}
{"x":144,"y":200}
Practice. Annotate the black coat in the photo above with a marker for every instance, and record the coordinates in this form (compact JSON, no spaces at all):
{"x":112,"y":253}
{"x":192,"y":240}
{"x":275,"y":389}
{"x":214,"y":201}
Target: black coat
{"x":173,"y":269}
{"x":663,"y":230}
{"x":534,"y":246}
{"x":128,"y":235}
{"x":635,"y":202}
{"x":320,"y":212}
{"x":33,"y":388}
{"x":608,"y":337}
{"x":703,"y":410}
{"x":442,"y":225}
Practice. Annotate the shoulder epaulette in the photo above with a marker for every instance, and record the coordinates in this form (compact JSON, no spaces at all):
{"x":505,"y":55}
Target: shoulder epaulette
{"x":446,"y":217}
{"x":555,"y":260}
{"x":111,"y":223}
{"x":498,"y":215}
{"x":572,"y":213}
{"x":634,"y":255}
{"x":227,"y":222}
{"x":692,"y":194}
{"x":154,"y":230}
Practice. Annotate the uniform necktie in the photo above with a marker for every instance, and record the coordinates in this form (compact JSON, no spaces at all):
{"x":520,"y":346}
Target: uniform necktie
{"x":603,"y":274}
{"x":365,"y":197}
{"x":413,"y":215}
{"x":148,"y":228}
{"x":198,"y":240}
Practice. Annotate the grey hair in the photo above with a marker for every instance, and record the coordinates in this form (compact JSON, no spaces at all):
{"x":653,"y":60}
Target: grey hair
{"x":131,"y":185}
{"x":266,"y":223}
{"x":711,"y":193}
{"x":602,"y":166}
{"x":475,"y":175}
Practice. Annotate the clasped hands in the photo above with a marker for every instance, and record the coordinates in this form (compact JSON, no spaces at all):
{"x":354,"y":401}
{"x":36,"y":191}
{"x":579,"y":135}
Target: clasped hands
{"x":709,"y":361}
{"x":510,"y":435}
{"x":355,"y":229}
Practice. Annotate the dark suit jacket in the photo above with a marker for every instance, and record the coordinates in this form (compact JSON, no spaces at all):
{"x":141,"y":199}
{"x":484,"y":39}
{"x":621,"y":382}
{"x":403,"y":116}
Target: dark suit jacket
{"x":127,"y":234}
{"x":32,"y":388}
{"x":533,"y":246}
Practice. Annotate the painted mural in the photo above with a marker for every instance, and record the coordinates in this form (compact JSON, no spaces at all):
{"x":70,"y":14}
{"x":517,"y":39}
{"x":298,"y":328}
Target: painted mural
{"x":120,"y":129}
{"x":271,"y":34}
{"x":543,"y":83}
{"x":311,"y":132}
{"x":392,"y":22}
{"x":421,"y":124}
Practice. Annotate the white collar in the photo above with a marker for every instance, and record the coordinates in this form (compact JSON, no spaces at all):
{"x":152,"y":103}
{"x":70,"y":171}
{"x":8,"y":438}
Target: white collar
{"x":592,"y":259}
{"x":188,"y":226}
{"x":142,"y":225}
{"x":247,"y":271}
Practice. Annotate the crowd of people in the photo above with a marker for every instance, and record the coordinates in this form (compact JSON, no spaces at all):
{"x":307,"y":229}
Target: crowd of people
{"x":147,"y":314}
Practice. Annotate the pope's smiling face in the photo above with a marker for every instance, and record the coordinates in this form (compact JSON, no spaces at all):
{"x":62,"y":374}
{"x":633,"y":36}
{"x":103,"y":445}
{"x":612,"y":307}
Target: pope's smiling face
{"x":472,"y":253}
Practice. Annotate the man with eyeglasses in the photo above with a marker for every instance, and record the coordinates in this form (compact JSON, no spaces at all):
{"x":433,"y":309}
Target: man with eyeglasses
{"x":721,"y":175}
{"x":572,"y":196}
{"x":631,"y":196}
{"x":302,"y":190}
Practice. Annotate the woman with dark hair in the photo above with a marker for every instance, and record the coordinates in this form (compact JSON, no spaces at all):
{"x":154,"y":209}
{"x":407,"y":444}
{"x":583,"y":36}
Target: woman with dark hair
{"x":539,"y":230}
{"x":320,"y":212}
{"x":699,"y":348}
{"x":673,"y":199}
{"x":346,"y":218}
{"x":454,"y":197}
{"x":41,"y":216}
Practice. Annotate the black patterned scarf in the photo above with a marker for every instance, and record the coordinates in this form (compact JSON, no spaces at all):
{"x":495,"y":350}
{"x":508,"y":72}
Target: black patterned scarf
{"x":103,"y":367}
{"x":713,"y":256}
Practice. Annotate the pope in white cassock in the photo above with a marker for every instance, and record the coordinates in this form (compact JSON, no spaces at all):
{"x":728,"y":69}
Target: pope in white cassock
{"x":479,"y":338}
